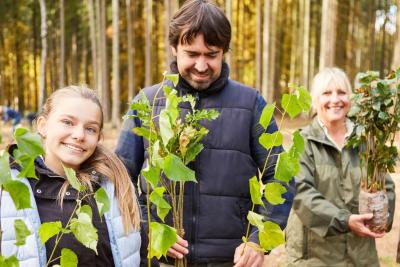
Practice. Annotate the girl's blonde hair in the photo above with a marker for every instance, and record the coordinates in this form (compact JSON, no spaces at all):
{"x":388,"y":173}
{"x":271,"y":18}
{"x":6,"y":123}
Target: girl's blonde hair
{"x":102,"y":161}
{"x":324,"y":78}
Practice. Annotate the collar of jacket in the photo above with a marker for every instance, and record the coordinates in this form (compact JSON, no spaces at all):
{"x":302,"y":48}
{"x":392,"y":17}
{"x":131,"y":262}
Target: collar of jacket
{"x":216,"y":86}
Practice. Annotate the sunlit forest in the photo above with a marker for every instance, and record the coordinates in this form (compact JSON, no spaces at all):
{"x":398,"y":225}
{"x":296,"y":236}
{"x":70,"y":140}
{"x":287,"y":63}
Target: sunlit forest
{"x":118,"y":47}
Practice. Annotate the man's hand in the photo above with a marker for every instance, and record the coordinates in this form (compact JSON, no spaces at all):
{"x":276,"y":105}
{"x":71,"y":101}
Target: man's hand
{"x":250,"y":256}
{"x":179,"y":249}
{"x":358,"y":225}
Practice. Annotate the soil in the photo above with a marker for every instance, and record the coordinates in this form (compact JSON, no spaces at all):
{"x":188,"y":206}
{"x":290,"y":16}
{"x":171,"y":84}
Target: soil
{"x":387,"y":246}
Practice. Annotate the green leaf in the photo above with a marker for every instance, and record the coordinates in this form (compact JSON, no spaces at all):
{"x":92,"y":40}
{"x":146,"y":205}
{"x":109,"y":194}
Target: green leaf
{"x":140,"y":106}
{"x":142,"y":131}
{"x":27,"y":163}
{"x":19,"y":193}
{"x":68,"y":258}
{"x":73,"y":180}
{"x":102,"y":201}
{"x":83,"y":229}
{"x":21,"y":232}
{"x":5,"y":173}
{"x":291,"y":105}
{"x":273,"y":193}
{"x":192,"y":152}
{"x":298,"y":145}
{"x":304,"y":99}
{"x":166,"y":130}
{"x":49,"y":229}
{"x":174,"y":78}
{"x":156,"y":159}
{"x":266,"y":115}
{"x":152,"y":175}
{"x":353,"y":111}
{"x":162,"y":238}
{"x":28,"y":143}
{"x":268,"y":140}
{"x":11,"y":261}
{"x":256,"y":220}
{"x":255,"y":191}
{"x":156,"y":197}
{"x":271,"y":236}
{"x":175,"y":170}
{"x":286,"y":167}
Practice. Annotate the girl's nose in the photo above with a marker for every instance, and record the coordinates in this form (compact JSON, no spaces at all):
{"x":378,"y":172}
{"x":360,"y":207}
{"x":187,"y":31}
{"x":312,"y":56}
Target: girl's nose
{"x":78,"y":133}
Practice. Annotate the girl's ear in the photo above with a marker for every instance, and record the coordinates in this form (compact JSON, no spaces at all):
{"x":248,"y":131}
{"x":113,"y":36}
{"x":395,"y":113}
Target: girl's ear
{"x":41,"y":126}
{"x":174,"y":52}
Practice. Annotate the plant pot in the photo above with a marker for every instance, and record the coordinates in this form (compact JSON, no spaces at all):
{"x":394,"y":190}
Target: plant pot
{"x":378,"y":204}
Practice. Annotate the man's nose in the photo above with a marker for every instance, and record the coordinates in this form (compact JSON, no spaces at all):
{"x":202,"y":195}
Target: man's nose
{"x":201,"y":64}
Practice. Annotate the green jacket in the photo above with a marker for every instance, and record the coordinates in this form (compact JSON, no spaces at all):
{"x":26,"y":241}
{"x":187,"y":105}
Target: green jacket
{"x":327,"y":194}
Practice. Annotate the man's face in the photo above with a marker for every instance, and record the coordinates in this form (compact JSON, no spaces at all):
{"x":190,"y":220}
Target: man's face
{"x":198,"y":64}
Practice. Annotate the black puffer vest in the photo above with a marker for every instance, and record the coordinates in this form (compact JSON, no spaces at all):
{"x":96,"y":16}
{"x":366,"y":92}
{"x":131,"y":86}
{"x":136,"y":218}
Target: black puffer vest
{"x":215,"y":208}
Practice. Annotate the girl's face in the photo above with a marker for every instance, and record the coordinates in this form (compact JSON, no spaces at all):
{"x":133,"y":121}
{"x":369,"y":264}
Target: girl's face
{"x":333,"y":104}
{"x":71,"y":132}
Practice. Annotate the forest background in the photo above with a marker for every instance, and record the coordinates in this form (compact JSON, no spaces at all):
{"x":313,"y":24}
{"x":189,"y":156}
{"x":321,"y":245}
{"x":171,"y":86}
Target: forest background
{"x":118,"y":47}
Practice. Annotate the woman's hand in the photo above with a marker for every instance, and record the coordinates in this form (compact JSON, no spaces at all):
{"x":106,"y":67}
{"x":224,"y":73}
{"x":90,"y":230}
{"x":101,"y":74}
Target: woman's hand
{"x":358,"y":225}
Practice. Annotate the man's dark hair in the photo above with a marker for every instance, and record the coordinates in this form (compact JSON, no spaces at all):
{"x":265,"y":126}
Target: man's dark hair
{"x":200,"y":17}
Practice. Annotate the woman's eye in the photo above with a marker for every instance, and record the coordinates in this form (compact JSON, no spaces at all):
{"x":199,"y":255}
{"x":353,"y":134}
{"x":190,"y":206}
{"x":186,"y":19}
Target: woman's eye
{"x":66,"y":122}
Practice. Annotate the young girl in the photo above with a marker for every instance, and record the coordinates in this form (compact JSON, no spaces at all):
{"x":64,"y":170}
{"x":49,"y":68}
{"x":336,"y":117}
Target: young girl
{"x":71,"y":125}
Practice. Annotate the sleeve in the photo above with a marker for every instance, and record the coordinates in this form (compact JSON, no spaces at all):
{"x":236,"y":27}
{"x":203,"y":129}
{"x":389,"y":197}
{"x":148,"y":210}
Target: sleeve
{"x":391,"y":193}
{"x":276,"y":213}
{"x":314,"y":210}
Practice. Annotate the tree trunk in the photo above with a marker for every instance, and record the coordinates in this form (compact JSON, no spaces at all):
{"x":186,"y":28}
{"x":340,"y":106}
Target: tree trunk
{"x":273,"y":45}
{"x":131,"y":51}
{"x":104,"y":75}
{"x":115,"y":64}
{"x":74,"y":58}
{"x":294,"y":41}
{"x":43,"y":35}
{"x":228,"y":12}
{"x":383,"y":47}
{"x":149,"y":18}
{"x":268,"y":93}
{"x":328,"y":34}
{"x":396,"y":54}
{"x":62,"y":45}
{"x":306,"y":44}
{"x":93,"y":43}
{"x":258,"y":44}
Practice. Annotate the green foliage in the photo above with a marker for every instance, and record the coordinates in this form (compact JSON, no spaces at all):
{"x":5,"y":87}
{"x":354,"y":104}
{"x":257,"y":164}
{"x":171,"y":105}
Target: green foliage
{"x":82,"y":228}
{"x":68,"y":258}
{"x":102,"y":201}
{"x":174,"y":141}
{"x":376,"y":114}
{"x":5,"y":173}
{"x":162,"y":238}
{"x":21,"y":232}
{"x":19,"y":193}
{"x":73,"y":180}
{"x":48,"y":230}
{"x":11,"y":261}
{"x":287,"y":166}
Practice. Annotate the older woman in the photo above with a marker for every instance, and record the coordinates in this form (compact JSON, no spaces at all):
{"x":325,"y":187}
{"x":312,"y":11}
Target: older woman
{"x":324,"y":227}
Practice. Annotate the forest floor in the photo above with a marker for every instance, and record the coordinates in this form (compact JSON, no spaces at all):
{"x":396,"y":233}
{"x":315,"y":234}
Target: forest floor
{"x":387,"y":246}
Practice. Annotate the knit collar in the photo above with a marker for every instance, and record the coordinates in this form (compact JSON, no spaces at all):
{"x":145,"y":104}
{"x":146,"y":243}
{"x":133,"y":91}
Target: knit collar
{"x":216,"y":86}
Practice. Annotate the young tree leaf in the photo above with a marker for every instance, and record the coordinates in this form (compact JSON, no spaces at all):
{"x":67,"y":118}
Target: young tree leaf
{"x":102,"y":201}
{"x":304,"y":99}
{"x":5,"y":173}
{"x":68,"y":258}
{"x":256,"y":220}
{"x":291,"y":105}
{"x":142,"y":131}
{"x":166,"y":130}
{"x":273,"y":193}
{"x":175,"y":170}
{"x":28,"y":165}
{"x":152,"y":175}
{"x":298,"y":145}
{"x":271,"y":236}
{"x":21,"y":232}
{"x":73,"y":180}
{"x":162,"y":238}
{"x":286,"y":167}
{"x":266,"y":115}
{"x":255,"y":191}
{"x":156,"y":197}
{"x":156,"y":159}
{"x":28,"y":143}
{"x":83,"y":229}
{"x":11,"y":261}
{"x":192,"y":152}
{"x":19,"y":193}
{"x":268,"y":140}
{"x":174,"y":78}
{"x":49,"y":229}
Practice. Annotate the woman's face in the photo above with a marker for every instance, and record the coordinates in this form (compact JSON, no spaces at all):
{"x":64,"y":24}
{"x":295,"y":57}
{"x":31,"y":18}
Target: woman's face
{"x":333,"y":104}
{"x":71,"y":132}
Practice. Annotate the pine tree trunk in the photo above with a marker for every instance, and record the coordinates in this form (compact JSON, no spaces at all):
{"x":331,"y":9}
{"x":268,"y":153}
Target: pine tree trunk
{"x":148,"y":46}
{"x":115,"y":65}
{"x":268,"y":93}
{"x":62,"y":46}
{"x":43,"y":35}
{"x":131,"y":51}
{"x":328,"y":34}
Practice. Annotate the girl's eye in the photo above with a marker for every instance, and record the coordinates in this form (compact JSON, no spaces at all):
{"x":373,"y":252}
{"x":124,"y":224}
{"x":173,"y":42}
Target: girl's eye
{"x":91,"y":130}
{"x":67,"y":122}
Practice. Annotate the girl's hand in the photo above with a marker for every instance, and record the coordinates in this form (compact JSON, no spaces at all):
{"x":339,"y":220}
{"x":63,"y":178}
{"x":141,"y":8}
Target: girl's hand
{"x":358,"y":225}
{"x":179,"y":249}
